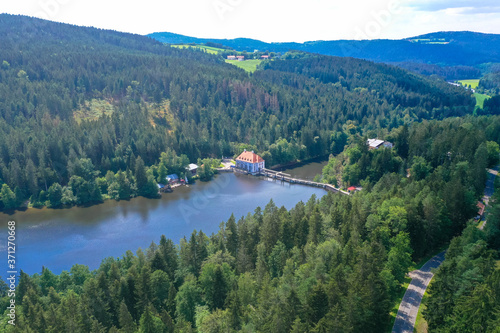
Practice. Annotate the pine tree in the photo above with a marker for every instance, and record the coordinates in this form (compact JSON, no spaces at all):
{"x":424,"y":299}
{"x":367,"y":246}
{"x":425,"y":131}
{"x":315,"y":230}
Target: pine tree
{"x":147,"y":324}
{"x":169,"y":252}
{"x":232,"y":236}
{"x":317,"y":304}
{"x":141,"y":179}
{"x":125,"y":319}
{"x":220,"y":289}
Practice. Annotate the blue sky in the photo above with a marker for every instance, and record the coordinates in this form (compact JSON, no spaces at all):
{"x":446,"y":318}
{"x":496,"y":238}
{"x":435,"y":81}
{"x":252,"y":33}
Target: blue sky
{"x":271,"y":20}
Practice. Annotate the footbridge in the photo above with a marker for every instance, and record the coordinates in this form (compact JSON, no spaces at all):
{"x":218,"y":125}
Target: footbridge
{"x":288,"y":178}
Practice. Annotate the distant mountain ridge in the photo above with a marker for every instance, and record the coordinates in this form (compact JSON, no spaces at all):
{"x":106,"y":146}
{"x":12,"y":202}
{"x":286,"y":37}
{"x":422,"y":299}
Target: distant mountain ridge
{"x":461,"y":48}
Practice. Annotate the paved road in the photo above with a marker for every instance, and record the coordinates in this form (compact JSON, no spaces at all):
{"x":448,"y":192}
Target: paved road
{"x":408,"y":309}
{"x":488,"y":191}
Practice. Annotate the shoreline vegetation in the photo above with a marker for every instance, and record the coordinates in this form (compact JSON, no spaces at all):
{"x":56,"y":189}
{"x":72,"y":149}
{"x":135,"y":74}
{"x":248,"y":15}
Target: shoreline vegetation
{"x":312,"y":265}
{"x":69,"y":131}
{"x":89,"y":114}
{"x":203,"y":176}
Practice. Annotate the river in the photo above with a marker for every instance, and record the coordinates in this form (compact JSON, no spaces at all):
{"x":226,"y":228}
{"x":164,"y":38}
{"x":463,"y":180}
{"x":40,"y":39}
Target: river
{"x":59,"y":238}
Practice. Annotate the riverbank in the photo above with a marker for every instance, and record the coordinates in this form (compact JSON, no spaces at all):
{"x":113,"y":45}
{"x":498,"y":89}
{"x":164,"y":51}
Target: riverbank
{"x":60,"y":238}
{"x":299,"y":163}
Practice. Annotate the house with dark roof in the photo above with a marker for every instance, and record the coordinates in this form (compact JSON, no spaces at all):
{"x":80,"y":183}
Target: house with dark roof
{"x":250,"y":162}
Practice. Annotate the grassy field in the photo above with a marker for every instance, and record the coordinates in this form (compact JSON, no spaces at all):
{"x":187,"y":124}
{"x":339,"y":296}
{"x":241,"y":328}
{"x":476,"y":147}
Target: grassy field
{"x":160,"y":113}
{"x":473,"y":83}
{"x":208,"y":49}
{"x":248,"y":65}
{"x":93,"y":110}
{"x":480,"y":98}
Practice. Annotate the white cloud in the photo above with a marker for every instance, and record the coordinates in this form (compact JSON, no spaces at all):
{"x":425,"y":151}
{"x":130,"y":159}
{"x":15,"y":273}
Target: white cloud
{"x":275,"y":20}
{"x":465,"y":6}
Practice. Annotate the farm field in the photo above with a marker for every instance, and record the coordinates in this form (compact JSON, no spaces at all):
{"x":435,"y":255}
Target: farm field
{"x":480,"y":98}
{"x":473,"y":83}
{"x":208,"y":49}
{"x":248,"y":65}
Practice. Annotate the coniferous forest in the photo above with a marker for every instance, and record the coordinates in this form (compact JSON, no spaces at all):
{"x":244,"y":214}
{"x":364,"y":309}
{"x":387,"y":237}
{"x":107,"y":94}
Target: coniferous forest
{"x":330,"y":265}
{"x":84,"y":111}
{"x":89,"y":114}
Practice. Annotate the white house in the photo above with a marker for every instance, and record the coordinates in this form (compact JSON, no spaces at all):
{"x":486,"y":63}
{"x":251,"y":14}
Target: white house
{"x":376,"y":144}
{"x":193,"y":168}
{"x":250,"y":162}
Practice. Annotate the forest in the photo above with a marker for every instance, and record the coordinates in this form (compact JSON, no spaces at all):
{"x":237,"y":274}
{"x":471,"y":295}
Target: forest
{"x":89,"y":114}
{"x":331,"y":265}
{"x":465,"y":293}
{"x":79,"y":106}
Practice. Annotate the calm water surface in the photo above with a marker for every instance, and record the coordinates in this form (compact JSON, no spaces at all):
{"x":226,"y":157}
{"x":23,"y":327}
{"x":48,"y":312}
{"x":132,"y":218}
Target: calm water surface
{"x":59,"y":238}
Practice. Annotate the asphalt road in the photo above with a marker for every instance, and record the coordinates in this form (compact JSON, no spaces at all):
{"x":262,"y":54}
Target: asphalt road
{"x":488,"y":191}
{"x":408,"y":309}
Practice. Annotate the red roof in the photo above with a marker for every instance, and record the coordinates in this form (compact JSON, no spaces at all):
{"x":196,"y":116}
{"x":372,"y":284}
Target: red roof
{"x":481,"y":207}
{"x":352,"y":188}
{"x":249,"y":156}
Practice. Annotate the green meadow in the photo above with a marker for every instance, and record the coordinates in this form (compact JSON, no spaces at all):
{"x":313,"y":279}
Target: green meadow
{"x":248,"y":65}
{"x":208,"y":49}
{"x":473,"y":83}
{"x":480,"y":98}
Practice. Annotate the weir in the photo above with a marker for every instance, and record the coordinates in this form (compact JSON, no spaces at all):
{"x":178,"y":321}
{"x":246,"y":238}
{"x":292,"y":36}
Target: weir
{"x":288,"y":178}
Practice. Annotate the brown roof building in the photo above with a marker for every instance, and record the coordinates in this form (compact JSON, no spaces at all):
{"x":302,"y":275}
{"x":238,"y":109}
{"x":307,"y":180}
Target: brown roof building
{"x":250,"y":162}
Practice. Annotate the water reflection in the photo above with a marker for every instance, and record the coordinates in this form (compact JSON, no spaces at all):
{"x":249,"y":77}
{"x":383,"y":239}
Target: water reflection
{"x":59,"y":238}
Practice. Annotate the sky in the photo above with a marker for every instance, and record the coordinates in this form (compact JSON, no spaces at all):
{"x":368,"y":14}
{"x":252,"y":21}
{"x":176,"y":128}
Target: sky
{"x":271,"y":20}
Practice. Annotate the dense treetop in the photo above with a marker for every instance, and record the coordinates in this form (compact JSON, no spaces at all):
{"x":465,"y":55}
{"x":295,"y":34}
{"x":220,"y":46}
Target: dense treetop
{"x":71,"y":95}
{"x":332,"y":265}
{"x":88,"y":114}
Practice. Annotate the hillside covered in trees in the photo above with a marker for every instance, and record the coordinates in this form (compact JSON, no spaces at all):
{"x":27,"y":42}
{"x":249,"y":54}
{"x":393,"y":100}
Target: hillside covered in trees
{"x":85,"y":114}
{"x":465,"y":293}
{"x":332,"y":265}
{"x":88,"y":114}
{"x":449,"y":54}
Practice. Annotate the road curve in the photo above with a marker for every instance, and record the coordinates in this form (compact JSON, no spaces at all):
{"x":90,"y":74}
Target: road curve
{"x":489,"y":189}
{"x":408,"y":309}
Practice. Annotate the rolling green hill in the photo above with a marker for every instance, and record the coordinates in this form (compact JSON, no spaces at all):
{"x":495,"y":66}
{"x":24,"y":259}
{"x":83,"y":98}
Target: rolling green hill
{"x":453,"y":55}
{"x":78,"y":103}
{"x":89,"y":114}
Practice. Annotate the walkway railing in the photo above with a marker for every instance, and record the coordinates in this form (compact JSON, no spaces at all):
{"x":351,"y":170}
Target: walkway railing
{"x":288,"y":178}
